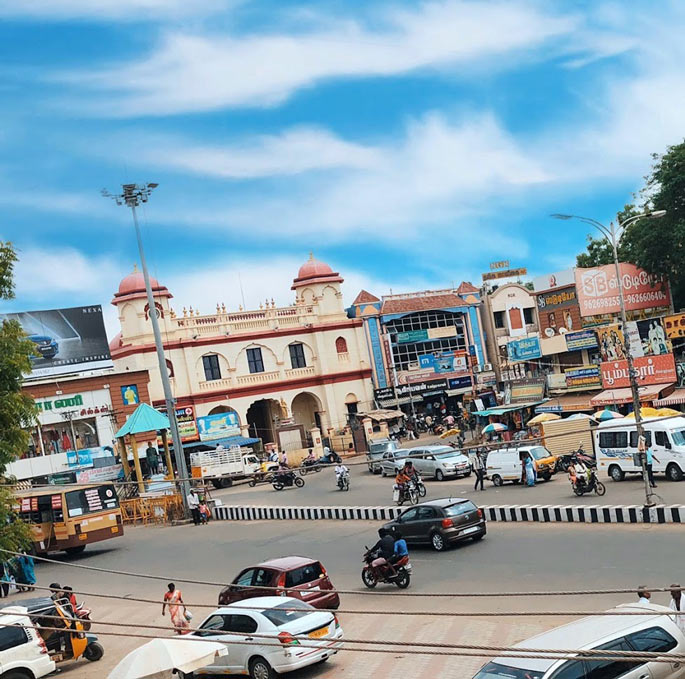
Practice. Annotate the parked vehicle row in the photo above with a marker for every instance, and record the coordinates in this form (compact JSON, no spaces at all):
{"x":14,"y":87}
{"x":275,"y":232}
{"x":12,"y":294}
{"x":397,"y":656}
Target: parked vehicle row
{"x":436,"y":462}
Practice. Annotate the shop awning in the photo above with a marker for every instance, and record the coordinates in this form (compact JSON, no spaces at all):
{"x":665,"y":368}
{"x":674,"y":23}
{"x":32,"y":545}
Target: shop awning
{"x":624,"y":395}
{"x":503,"y":410}
{"x":228,"y":442}
{"x":382,"y":415}
{"x":568,"y":403}
{"x":673,"y":399}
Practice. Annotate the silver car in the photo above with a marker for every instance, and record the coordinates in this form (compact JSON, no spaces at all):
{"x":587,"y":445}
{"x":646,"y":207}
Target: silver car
{"x":439,"y":462}
{"x":393,"y":460}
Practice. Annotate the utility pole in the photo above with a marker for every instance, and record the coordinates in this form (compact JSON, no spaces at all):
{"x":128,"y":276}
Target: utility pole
{"x":132,"y":196}
{"x":612,"y":234}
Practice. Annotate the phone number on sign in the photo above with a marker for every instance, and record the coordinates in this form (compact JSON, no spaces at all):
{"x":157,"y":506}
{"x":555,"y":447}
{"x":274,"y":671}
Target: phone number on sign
{"x":632,"y":299}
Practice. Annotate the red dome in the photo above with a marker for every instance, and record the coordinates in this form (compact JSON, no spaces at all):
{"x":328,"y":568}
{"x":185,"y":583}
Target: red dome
{"x":135,"y":282}
{"x":115,"y":343}
{"x":313,"y":268}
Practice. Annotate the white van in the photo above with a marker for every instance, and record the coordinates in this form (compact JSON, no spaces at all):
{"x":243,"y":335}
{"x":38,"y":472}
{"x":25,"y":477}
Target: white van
{"x":23,"y":653}
{"x":504,"y":464}
{"x":649,"y":632}
{"x":616,"y":447}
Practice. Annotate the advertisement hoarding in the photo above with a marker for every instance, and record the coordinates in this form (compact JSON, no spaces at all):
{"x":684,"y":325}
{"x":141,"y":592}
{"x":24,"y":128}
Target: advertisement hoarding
{"x":444,"y":362}
{"x":524,"y":349}
{"x":675,"y":326}
{"x":558,"y":279}
{"x":584,"y":339}
{"x":219,"y":426}
{"x":67,"y":340}
{"x":530,"y":391}
{"x":611,"y":342}
{"x":587,"y":377}
{"x":598,"y":291}
{"x":649,"y":370}
{"x":557,"y":299}
{"x":647,"y":338}
{"x":425,"y":335}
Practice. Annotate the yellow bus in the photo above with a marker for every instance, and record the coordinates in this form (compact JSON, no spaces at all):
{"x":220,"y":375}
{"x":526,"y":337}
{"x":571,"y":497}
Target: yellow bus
{"x":64,"y":519}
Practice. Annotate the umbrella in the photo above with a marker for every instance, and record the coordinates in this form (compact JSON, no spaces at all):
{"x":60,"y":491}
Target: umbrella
{"x":606,"y":414}
{"x":544,"y":417}
{"x":645,"y":411}
{"x":494,"y":427}
{"x":581,"y":416}
{"x":668,"y":412}
{"x":158,"y":657}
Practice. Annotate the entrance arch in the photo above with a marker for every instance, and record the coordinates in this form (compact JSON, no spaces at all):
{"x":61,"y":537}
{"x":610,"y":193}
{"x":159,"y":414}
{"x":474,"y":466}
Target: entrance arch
{"x":306,"y":409}
{"x":217,"y":410}
{"x":261,"y":419}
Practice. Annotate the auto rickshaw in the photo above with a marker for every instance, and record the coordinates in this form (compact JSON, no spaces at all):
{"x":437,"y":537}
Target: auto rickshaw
{"x":69,"y":641}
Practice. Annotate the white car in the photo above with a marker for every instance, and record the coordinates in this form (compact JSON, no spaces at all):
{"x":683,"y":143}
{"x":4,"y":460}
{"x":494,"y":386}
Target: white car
{"x":22,"y":650}
{"x":304,"y":634}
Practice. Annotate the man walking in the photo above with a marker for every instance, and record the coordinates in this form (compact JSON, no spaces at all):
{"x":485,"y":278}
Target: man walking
{"x":650,"y":473}
{"x":678,"y":604}
{"x":643,"y":595}
{"x":479,"y":468}
{"x":152,"y":458}
{"x":194,"y":506}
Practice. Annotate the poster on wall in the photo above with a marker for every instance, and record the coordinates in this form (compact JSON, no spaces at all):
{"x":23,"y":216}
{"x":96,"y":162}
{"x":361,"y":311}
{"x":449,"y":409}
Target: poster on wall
{"x":584,"y":339}
{"x":66,"y":340}
{"x":444,"y":362}
{"x":218,"y":426}
{"x":524,"y":349}
{"x":587,"y":377}
{"x":611,"y":342}
{"x":648,"y":338}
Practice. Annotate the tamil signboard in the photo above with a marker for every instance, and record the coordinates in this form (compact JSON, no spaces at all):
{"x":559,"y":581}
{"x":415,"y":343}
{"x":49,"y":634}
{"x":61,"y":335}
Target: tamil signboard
{"x":187,"y":425}
{"x":675,"y":326}
{"x":587,"y":377}
{"x":598,"y":291}
{"x":529,"y":391}
{"x":583,"y":339}
{"x":422,"y":388}
{"x":507,"y":273}
{"x":222,"y":425}
{"x":558,"y":279}
{"x":384,"y":394}
{"x":524,"y":349}
{"x":649,"y":370}
{"x":66,"y":340}
{"x":426,"y":335}
{"x":557,"y":299}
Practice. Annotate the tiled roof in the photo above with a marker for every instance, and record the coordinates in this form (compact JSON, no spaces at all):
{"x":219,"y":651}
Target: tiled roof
{"x":365,"y":297}
{"x":466,"y":287}
{"x":421,"y":303}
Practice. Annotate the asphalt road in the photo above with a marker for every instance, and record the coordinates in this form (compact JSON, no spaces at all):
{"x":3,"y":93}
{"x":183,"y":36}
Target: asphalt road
{"x":369,"y":490}
{"x":512,"y":557}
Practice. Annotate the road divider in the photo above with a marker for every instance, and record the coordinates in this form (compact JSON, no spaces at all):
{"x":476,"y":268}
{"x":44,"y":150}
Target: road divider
{"x":501,"y":513}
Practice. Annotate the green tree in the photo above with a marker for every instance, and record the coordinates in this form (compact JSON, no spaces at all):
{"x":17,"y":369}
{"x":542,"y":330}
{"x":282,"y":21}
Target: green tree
{"x":657,"y":246}
{"x":17,"y":410}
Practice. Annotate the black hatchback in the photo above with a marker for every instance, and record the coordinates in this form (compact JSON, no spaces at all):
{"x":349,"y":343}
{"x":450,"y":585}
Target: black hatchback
{"x":440,"y":523}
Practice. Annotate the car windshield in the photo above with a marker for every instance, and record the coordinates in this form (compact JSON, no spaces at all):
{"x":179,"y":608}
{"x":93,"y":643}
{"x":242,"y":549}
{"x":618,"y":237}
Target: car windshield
{"x":678,"y":437}
{"x":540,"y":452}
{"x":383,"y":447}
{"x":494,"y":670}
{"x":459,"y":509}
{"x":280,"y":617}
{"x":448,"y":453}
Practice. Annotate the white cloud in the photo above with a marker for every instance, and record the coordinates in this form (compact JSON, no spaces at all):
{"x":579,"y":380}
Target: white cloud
{"x":197,"y":72}
{"x":295,"y":151}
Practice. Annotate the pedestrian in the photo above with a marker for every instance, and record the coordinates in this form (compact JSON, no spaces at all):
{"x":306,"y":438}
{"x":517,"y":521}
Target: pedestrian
{"x":677,"y":604}
{"x":479,"y":468}
{"x":4,"y":579}
{"x":152,"y":458}
{"x":530,"y":470}
{"x":284,"y":458}
{"x":643,"y":594}
{"x":194,"y":506}
{"x":27,"y":575}
{"x":273,"y":455}
{"x":177,"y":609}
{"x":650,"y":460}
{"x":204,"y":512}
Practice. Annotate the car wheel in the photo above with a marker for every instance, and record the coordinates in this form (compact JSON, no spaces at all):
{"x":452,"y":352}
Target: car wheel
{"x":260,"y":669}
{"x":674,"y":472}
{"x":497,"y":480}
{"x":439,"y":476}
{"x":226,"y":483}
{"x":547,"y":476}
{"x":616,"y":473}
{"x":438,"y":542}
{"x":383,"y":474}
{"x":16,"y":674}
{"x":72,"y":551}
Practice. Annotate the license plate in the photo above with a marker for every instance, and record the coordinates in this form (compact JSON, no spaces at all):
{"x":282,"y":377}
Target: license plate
{"x":473,"y":529}
{"x":115,"y":529}
{"x":83,"y":536}
{"x":318,"y":633}
{"x":316,"y":588}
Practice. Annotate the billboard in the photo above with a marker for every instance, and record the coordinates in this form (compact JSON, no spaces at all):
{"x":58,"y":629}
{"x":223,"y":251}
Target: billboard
{"x":598,"y":292}
{"x":584,"y":339}
{"x":647,"y":338}
{"x":219,"y":426}
{"x":675,"y":326}
{"x":67,"y":340}
{"x":612,"y":344}
{"x":558,"y":279}
{"x":586,"y":377}
{"x":187,"y":426}
{"x":444,"y":362}
{"x":524,"y":349}
{"x":649,"y":370}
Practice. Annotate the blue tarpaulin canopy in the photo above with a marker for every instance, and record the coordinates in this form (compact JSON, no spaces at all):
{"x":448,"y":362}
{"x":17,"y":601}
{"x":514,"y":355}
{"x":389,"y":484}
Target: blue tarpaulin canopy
{"x":503,"y":410}
{"x":228,"y":442}
{"x":144,"y":418}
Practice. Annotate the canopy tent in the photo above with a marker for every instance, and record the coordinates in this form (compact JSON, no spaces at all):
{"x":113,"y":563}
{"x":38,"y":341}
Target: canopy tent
{"x":143,"y":419}
{"x":228,"y":442}
{"x":503,"y":410}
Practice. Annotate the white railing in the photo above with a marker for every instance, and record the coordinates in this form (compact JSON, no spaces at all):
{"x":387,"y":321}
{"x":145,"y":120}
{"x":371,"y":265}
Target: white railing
{"x":258,"y":378}
{"x":211,"y":385}
{"x":294,"y":373}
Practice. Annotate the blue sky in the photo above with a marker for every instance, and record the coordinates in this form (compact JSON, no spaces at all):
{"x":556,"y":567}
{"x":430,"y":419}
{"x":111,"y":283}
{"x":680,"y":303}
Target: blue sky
{"x":408,"y":144}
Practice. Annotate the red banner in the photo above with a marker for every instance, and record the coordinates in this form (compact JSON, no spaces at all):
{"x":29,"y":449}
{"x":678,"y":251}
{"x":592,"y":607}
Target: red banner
{"x":598,"y":293}
{"x":649,"y":369}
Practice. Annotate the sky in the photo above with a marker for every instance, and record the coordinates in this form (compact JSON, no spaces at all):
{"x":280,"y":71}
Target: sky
{"x":407,"y":144}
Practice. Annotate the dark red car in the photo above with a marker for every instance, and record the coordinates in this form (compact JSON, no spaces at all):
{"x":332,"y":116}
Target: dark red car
{"x":303,"y":578}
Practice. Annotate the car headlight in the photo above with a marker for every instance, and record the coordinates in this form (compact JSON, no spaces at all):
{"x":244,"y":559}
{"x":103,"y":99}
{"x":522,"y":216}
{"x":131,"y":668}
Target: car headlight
{"x":445,"y":464}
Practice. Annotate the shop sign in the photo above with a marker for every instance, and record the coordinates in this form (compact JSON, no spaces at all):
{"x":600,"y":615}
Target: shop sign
{"x":66,"y":402}
{"x":425,"y":387}
{"x":556,"y":381}
{"x":462,"y":382}
{"x":444,"y":362}
{"x":584,"y":339}
{"x":218,"y":426}
{"x":598,"y":291}
{"x":533,"y":391}
{"x":675,"y":326}
{"x":647,"y":338}
{"x":557,"y":299}
{"x":524,"y":349}
{"x":486,"y":379}
{"x":384,"y":394}
{"x":649,"y":370}
{"x":559,"y":279}
{"x":587,"y":377}
{"x":425,"y":335}
{"x":507,"y":273}
{"x":110,"y":473}
{"x":187,"y":426}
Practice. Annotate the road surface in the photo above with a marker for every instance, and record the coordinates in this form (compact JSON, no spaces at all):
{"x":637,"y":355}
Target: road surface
{"x":512,"y":557}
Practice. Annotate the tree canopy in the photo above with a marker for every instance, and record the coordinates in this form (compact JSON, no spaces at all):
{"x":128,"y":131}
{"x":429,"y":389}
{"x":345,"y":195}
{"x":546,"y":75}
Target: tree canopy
{"x":656,"y":245}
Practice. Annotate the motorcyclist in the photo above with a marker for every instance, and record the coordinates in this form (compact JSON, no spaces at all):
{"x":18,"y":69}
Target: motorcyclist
{"x":578,"y":473}
{"x":401,"y":481}
{"x":400,"y":550}
{"x":310,"y":459}
{"x":340,"y":471}
{"x":384,"y":549}
{"x":411,"y":472}
{"x":283,"y":471}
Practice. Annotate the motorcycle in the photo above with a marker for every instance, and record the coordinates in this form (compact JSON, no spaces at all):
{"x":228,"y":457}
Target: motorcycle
{"x":566,"y":460}
{"x":398,"y":574}
{"x":309,"y":466}
{"x":582,"y":486}
{"x":408,"y":492}
{"x":287,"y":480}
{"x":421,"y":488}
{"x":399,"y":435}
{"x":344,"y":481}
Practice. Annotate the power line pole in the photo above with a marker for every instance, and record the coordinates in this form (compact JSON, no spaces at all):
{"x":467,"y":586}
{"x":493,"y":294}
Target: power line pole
{"x":132,"y":196}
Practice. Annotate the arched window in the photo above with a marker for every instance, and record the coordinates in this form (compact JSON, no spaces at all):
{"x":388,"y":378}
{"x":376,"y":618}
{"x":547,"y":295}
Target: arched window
{"x":341,"y":345}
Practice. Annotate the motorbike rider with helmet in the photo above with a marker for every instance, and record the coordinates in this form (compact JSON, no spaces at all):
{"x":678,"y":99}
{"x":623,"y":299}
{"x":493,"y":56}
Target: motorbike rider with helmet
{"x":384,"y":548}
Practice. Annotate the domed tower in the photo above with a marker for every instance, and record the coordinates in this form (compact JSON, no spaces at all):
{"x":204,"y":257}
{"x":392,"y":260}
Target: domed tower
{"x":318,"y":286}
{"x":133,"y":308}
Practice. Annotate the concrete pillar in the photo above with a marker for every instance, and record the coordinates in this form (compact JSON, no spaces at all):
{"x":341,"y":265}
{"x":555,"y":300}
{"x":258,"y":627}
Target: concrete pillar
{"x":368,"y":428}
{"x":136,"y":463}
{"x":167,"y":454}
{"x":317,"y":441}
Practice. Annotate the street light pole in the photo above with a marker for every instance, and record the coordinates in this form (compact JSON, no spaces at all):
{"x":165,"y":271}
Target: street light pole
{"x":613,"y":235}
{"x":132,"y":196}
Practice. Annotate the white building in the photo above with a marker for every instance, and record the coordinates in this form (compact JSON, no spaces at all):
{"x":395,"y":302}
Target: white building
{"x":283,"y":370}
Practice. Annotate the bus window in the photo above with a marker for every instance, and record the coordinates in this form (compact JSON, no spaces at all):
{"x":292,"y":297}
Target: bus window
{"x":89,"y":500}
{"x":633,"y":439}
{"x":613,"y":439}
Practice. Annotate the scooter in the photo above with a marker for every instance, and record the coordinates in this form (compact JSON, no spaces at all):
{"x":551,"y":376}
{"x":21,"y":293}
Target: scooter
{"x":398,"y":574}
{"x":344,"y":481}
{"x":286,"y":479}
{"x":581,"y":486}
